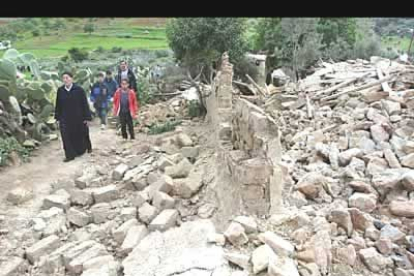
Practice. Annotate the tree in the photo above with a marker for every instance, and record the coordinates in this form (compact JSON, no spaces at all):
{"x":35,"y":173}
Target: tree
{"x":59,"y":24}
{"x":36,"y":32}
{"x":203,"y":40}
{"x":89,"y":28}
{"x":333,"y":29}
{"x":303,"y":43}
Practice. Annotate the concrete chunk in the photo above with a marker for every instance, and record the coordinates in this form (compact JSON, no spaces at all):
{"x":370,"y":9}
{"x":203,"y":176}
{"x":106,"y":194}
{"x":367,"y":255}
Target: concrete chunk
{"x":76,"y":265}
{"x":119,"y":172}
{"x":162,"y":201}
{"x":60,"y":199}
{"x":81,"y":197}
{"x":147,"y":213}
{"x":78,"y":217}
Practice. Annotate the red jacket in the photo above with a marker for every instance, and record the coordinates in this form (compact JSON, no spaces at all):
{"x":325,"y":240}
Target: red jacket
{"x":133,"y":103}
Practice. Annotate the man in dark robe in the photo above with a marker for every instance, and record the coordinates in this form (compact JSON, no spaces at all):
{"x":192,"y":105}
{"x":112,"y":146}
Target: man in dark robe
{"x":72,"y":112}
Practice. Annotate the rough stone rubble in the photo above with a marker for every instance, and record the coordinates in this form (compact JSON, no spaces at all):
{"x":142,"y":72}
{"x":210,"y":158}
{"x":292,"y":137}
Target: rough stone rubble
{"x":314,"y":179}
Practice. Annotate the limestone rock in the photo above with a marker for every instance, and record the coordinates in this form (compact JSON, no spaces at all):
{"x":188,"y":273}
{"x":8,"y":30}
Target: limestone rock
{"x":408,"y":161}
{"x":345,"y":255}
{"x":181,"y":170}
{"x":392,"y":108}
{"x":42,"y":248}
{"x":238,"y":259}
{"x":372,"y":233}
{"x":119,"y":172}
{"x":311,"y":185}
{"x":389,"y":155}
{"x":101,"y":212}
{"x":235,"y":234}
{"x":346,"y":156}
{"x":60,"y":199}
{"x":19,"y":195}
{"x":218,"y":239}
{"x":384,"y":245}
{"x":379,"y":134}
{"x":147,"y":213}
{"x":105,"y":194}
{"x":248,"y":223}
{"x":164,"y":162}
{"x":190,"y":152}
{"x":163,"y":184}
{"x":76,"y":265}
{"x":376,"y":165}
{"x":282,"y":266}
{"x":139,"y":198}
{"x":364,"y":202}
{"x":120,"y":233}
{"x":166,"y":219}
{"x":162,"y":201}
{"x":81,"y":197}
{"x":14,"y":266}
{"x":183,"y":140}
{"x":408,"y":181}
{"x":78,"y":217}
{"x":186,"y":188}
{"x":402,"y":208}
{"x":128,"y":213}
{"x":134,"y":236}
{"x":279,"y":245}
{"x":260,"y":258}
{"x":392,"y":233}
{"x":343,"y":218}
{"x":374,"y":261}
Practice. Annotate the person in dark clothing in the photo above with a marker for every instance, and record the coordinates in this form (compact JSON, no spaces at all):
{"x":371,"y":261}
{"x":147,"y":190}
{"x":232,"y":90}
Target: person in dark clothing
{"x":73,"y":114}
{"x":111,"y":83}
{"x":126,"y":73}
{"x":100,"y":99}
{"x":126,"y":107}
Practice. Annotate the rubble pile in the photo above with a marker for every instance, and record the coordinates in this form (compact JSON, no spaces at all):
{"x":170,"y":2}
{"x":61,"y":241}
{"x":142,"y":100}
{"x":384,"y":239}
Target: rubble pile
{"x":347,"y":131}
{"x":93,"y":224}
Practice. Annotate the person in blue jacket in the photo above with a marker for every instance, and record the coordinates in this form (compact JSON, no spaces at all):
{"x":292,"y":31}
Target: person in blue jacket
{"x":111,"y":83}
{"x":100,"y":98}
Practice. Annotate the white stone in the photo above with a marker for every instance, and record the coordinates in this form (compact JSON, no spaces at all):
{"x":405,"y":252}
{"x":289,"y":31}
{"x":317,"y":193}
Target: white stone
{"x":248,"y":223}
{"x":81,"y":197}
{"x":42,"y":248}
{"x":19,"y":195}
{"x":105,"y":194}
{"x":101,"y":212}
{"x":279,"y":245}
{"x":260,"y":258}
{"x":180,"y":170}
{"x":282,"y":266}
{"x":235,"y":233}
{"x":373,"y":260}
{"x":119,"y":172}
{"x":238,"y":259}
{"x":60,"y":199}
{"x":147,"y":213}
{"x":364,"y":202}
{"x":134,"y":236}
{"x":14,"y":266}
{"x":120,"y":233}
{"x":162,"y":201}
{"x":76,"y":265}
{"x":78,"y":217}
{"x":139,"y":198}
{"x":166,"y":219}
{"x":128,"y":213}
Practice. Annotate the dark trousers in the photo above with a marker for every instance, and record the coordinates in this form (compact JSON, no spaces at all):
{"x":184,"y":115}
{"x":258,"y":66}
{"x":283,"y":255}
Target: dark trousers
{"x":126,"y":121}
{"x":88,"y":139}
{"x":73,"y":138}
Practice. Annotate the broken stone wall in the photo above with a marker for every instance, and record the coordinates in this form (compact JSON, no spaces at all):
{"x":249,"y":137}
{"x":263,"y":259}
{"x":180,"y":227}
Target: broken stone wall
{"x":248,"y":151}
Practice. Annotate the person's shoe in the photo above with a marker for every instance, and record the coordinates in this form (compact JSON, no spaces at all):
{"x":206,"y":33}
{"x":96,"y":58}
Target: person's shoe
{"x":68,"y":159}
{"x":103,"y":126}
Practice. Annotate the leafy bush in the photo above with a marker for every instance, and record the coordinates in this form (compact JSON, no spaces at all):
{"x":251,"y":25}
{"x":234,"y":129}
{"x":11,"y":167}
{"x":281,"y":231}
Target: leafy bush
{"x":367,"y":47}
{"x":100,"y":49}
{"x":77,"y":54}
{"x":203,"y":40}
{"x":89,"y":28}
{"x":116,"y":49}
{"x":194,"y":109}
{"x":36,"y":33}
{"x":163,"y":127}
{"x":9,"y":145}
{"x":65,"y":58}
{"x":161,"y":53}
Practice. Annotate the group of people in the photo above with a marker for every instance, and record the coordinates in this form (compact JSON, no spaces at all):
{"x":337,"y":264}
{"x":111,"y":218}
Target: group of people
{"x":73,"y":114}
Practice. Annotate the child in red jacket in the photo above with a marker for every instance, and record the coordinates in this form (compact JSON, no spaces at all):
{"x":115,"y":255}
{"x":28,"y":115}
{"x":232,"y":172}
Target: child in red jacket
{"x":126,"y":108}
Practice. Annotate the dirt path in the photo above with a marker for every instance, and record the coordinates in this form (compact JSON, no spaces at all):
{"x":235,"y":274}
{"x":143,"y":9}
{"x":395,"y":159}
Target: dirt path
{"x":47,"y":167}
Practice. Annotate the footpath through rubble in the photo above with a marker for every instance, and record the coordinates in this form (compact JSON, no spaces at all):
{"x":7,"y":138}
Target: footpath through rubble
{"x":309,"y":179}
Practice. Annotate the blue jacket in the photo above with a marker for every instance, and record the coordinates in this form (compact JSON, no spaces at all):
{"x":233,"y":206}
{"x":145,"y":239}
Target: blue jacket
{"x":100,"y":96}
{"x":112,"y":86}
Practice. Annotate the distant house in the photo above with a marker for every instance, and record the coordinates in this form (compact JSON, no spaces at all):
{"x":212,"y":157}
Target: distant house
{"x":4,"y":45}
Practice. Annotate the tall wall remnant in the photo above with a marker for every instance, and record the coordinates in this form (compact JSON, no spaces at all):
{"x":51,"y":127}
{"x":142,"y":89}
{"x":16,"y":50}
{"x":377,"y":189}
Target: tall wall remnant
{"x":248,"y":148}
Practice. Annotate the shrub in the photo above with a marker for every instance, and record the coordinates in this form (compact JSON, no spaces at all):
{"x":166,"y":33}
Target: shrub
{"x":100,"y":49}
{"x":77,"y":54}
{"x":116,"y":49}
{"x":9,"y":145}
{"x":36,"y":33}
{"x":163,"y":127}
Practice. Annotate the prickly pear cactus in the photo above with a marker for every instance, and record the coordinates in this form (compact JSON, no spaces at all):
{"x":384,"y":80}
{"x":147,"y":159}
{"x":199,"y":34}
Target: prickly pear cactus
{"x":34,"y":68}
{"x":4,"y":93}
{"x":16,"y":111}
{"x":46,"y":112}
{"x":7,"y":69}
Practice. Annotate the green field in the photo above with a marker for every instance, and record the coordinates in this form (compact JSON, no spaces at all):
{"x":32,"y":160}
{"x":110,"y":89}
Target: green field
{"x":124,"y":33}
{"x":396,"y":42}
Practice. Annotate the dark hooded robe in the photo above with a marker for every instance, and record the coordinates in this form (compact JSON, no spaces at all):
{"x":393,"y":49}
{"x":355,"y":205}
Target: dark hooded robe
{"x":72,"y":110}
